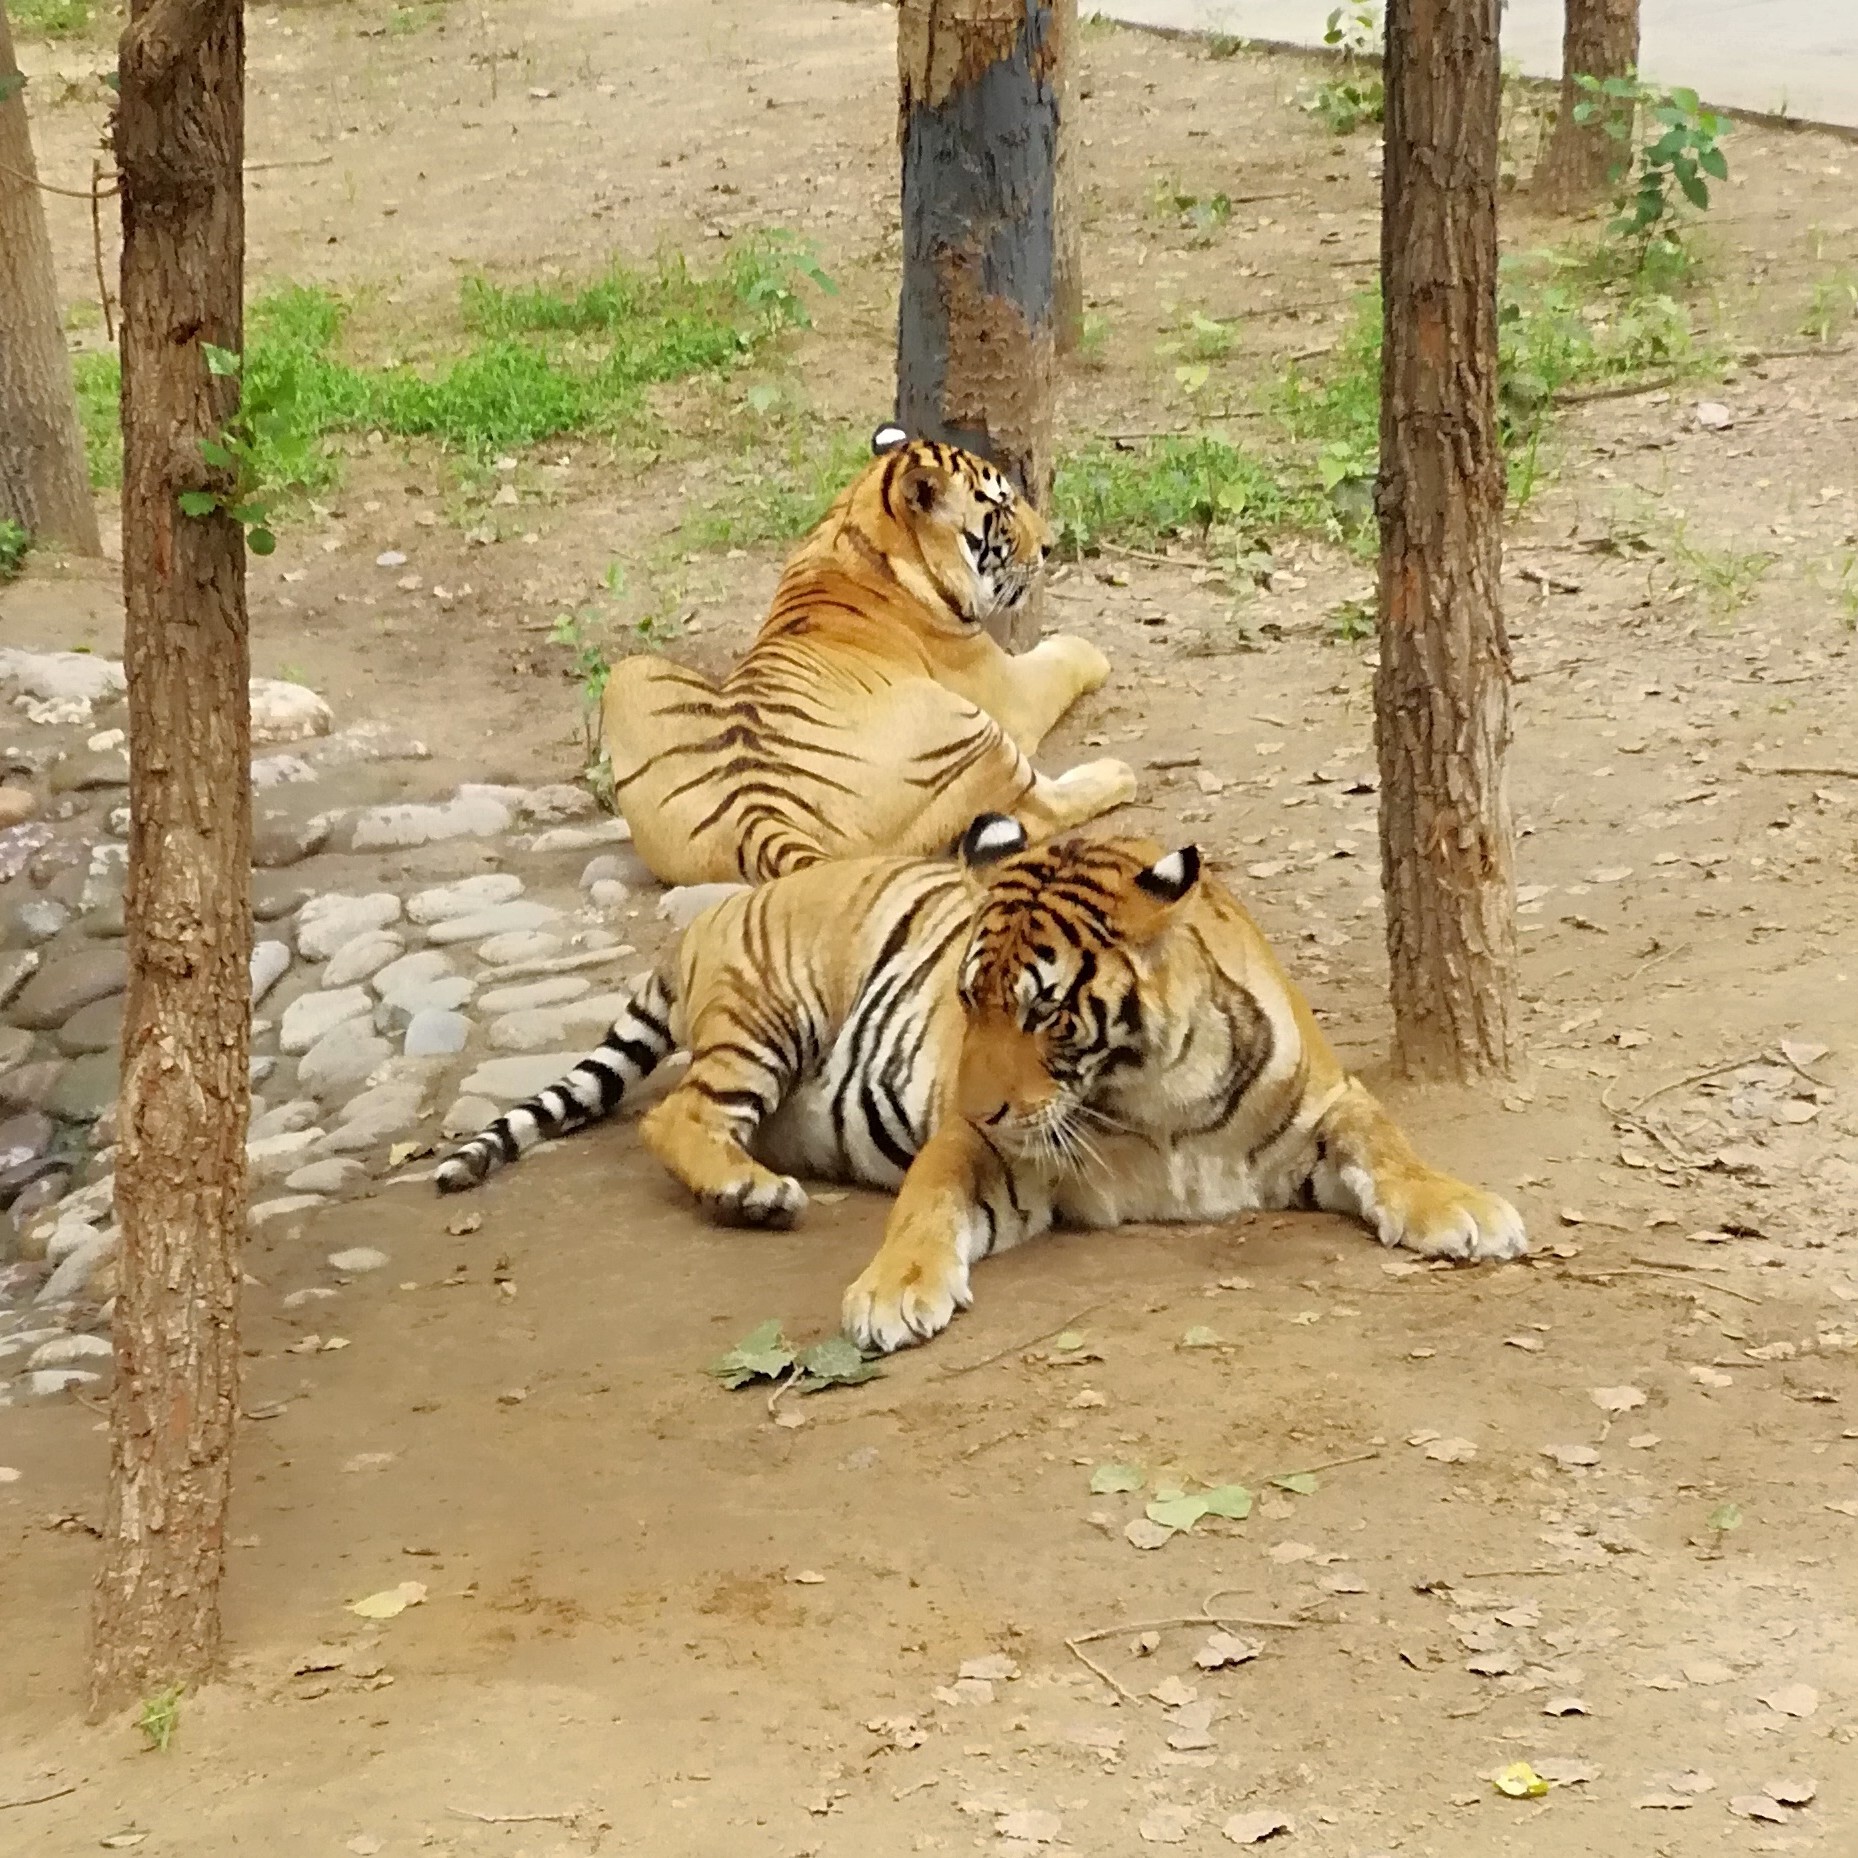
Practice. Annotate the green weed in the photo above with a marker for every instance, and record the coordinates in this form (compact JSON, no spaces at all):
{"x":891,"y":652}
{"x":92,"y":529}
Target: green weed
{"x":1845,"y":592}
{"x":1357,"y":95}
{"x":50,"y":19}
{"x":160,"y":1716}
{"x":14,"y":542}
{"x":98,"y":378}
{"x":1198,"y":215}
{"x":1351,"y":621}
{"x":777,"y":493}
{"x":1832,"y":307}
{"x":1725,"y":577}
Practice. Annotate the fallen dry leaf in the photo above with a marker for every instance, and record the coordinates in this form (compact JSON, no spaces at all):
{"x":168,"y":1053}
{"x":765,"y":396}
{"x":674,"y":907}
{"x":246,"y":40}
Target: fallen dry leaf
{"x":1223,"y":1649}
{"x":390,"y":1602}
{"x":1166,"y":1825}
{"x":1571,"y":1456}
{"x":1617,"y":1399}
{"x":1451,"y":1451}
{"x":1141,"y":1533}
{"x":1792,"y":1700}
{"x":1757,"y":1806}
{"x":1173,"y":1693}
{"x":1792,"y":1790}
{"x":1254,"y":1828}
{"x":1564,"y":1706}
{"x":1711,"y":1377}
{"x":994,"y":1668}
{"x":1708,"y":1671}
{"x":1031,"y":1824}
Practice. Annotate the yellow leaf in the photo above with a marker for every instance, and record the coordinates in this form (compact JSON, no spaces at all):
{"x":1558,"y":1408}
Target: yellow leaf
{"x":1520,"y":1782}
{"x":391,"y":1602}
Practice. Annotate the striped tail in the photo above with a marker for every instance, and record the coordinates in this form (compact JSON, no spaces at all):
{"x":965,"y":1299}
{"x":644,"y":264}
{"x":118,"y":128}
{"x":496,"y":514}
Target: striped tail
{"x":640,"y":1041}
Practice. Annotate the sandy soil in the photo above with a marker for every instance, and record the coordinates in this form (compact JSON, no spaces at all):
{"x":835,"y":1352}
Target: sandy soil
{"x":659,"y":1621}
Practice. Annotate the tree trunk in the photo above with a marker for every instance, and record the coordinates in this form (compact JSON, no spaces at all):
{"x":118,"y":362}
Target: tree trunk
{"x":979,"y":128}
{"x":44,"y":486}
{"x":1067,"y":190}
{"x":1442,"y":690}
{"x":180,"y":1176}
{"x":1600,"y":38}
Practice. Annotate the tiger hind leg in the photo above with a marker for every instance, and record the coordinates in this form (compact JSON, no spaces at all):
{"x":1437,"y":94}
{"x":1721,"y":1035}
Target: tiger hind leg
{"x":701,"y":1131}
{"x":639,"y":1041}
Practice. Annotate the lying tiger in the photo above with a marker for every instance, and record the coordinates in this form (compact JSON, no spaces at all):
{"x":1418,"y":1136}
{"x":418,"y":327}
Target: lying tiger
{"x":872,"y":713}
{"x":1080,"y":1032}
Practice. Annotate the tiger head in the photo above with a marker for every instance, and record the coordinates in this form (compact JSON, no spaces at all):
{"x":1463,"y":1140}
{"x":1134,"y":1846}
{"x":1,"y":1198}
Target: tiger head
{"x":954,"y":528}
{"x":1059,"y":983}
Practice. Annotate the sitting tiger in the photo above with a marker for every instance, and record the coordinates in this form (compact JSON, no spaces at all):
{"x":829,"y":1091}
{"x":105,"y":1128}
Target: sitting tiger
{"x":872,"y":713}
{"x":1082,"y":1032}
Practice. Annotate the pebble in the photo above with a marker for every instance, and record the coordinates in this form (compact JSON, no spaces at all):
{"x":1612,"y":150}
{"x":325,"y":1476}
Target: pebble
{"x":608,"y":893}
{"x":363,"y":742}
{"x":286,"y":1119}
{"x":467,"y":815}
{"x":468,"y":1115}
{"x":546,"y":1026}
{"x":69,"y":1349}
{"x":501,"y":919}
{"x":94,"y":1028}
{"x":433,"y":1032}
{"x":283,"y":712}
{"x":280,"y":771}
{"x":89,"y":772}
{"x":581,"y":838}
{"x":16,"y":804}
{"x":509,"y":1080}
{"x":325,"y":923}
{"x":550,"y":991}
{"x":341,"y":1059}
{"x":466,"y":897}
{"x":273,"y":897}
{"x":503,"y":951}
{"x":266,"y":1212}
{"x":683,"y":904}
{"x":106,"y":923}
{"x":286,"y":835}
{"x":333,"y":1176}
{"x":356,"y":1259}
{"x":31,"y":1200}
{"x":270,"y":963}
{"x":364,"y":956}
{"x":15,"y":1043}
{"x":25,"y":1137}
{"x":66,"y":983}
{"x":314,"y":1016}
{"x":313,"y":1293}
{"x":16,"y":971}
{"x":30,"y":1086}
{"x":105,"y":877}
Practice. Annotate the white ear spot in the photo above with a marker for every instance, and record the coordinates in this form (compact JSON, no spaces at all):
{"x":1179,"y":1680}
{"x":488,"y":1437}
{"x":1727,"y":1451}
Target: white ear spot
{"x":993,"y":835}
{"x":1171,"y":870}
{"x":888,"y":439}
{"x":1172,"y":877}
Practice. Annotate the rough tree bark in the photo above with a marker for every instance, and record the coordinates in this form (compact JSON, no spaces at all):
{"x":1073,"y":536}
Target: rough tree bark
{"x":1599,"y":38}
{"x":979,"y":130}
{"x":180,"y":1175}
{"x":1067,"y":190}
{"x":1442,"y":690}
{"x":44,"y":487}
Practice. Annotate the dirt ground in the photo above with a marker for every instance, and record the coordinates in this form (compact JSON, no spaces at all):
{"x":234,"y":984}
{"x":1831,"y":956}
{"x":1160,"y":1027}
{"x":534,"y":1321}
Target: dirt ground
{"x":1595,"y":1512}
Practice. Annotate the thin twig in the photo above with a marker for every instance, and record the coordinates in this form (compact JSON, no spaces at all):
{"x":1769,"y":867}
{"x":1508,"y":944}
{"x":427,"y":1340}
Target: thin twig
{"x":1032,"y":1341}
{"x":1618,"y":390}
{"x":1331,"y":1464}
{"x":39,"y":1799}
{"x":302,"y":161}
{"x":1641,"y":1270}
{"x":1077,"y":1651}
{"x":518,"y":1819}
{"x":1678,"y":1083}
{"x":96,"y":248}
{"x":1207,"y":1616}
{"x":46,"y":187}
{"x":998,"y":1438}
{"x":1517,"y":1574}
{"x":1549,"y":583}
{"x":1837,"y":771}
{"x":1143,"y":554}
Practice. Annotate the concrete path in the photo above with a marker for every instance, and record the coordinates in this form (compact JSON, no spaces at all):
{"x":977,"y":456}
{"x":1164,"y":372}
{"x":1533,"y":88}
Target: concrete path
{"x":1796,"y":56}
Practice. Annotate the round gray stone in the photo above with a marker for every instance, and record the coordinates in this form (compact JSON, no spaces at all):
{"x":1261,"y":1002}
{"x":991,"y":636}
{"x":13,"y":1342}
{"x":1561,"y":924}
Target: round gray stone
{"x":313,"y":1016}
{"x":68,"y":982}
{"x":358,"y":1258}
{"x":340,"y":1060}
{"x":433,"y":1032}
{"x":325,"y":923}
{"x":335,"y":1175}
{"x":286,"y":1119}
{"x":468,"y":1115}
{"x":501,"y":919}
{"x":86,"y":1088}
{"x":25,"y":1137}
{"x":414,"y":970}
{"x":545,"y":1026}
{"x":466,"y":897}
{"x":365,"y":955}
{"x":551,"y":990}
{"x":270,"y":963}
{"x":35,"y":920}
{"x":505,"y":951}
{"x":94,"y":1028}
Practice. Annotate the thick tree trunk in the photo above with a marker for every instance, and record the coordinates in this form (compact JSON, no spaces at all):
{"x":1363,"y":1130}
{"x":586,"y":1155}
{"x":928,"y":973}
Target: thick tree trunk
{"x":44,"y":487}
{"x":1067,"y":190}
{"x":979,"y":128}
{"x":1600,"y":38}
{"x":1442,"y":691}
{"x":180,"y":1177}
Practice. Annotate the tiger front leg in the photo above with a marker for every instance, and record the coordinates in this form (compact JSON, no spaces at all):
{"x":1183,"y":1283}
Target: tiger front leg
{"x":1368,"y":1168}
{"x":955,"y":1206}
{"x":1040,"y":685}
{"x":1057,"y":803}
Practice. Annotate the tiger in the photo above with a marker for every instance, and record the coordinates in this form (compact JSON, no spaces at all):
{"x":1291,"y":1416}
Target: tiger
{"x":873,"y":713}
{"x":1079,"y":1031}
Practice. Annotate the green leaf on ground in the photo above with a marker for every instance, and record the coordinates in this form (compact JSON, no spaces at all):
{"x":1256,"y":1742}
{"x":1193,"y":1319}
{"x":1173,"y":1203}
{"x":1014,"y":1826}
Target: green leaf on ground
{"x":835,"y":1362}
{"x":1200,"y":1336}
{"x":1108,"y":1480}
{"x":1298,"y":1483}
{"x":1173,"y":1510}
{"x":763,"y":1354}
{"x":1233,"y":1501}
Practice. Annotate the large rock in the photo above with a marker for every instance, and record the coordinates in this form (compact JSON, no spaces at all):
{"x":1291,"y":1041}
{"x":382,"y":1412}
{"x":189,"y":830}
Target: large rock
{"x":551,"y":805}
{"x":366,"y":954}
{"x":310,"y":1017}
{"x":682,"y":905}
{"x":551,"y":990}
{"x":341,"y":1060}
{"x":72,"y":677}
{"x":276,"y":1155}
{"x":86,"y":1088}
{"x":25,"y":1137}
{"x":364,"y":742}
{"x":30,"y":1086}
{"x":68,"y":982}
{"x":284,"y":712}
{"x":414,"y":970}
{"x":273,"y":897}
{"x":286,"y":1119}
{"x":67,"y":1350}
{"x":545,"y":1026}
{"x":391,"y":1106}
{"x":280,"y":771}
{"x":446,"y":994}
{"x":335,"y":1175}
{"x":468,"y":815}
{"x":466,"y":897}
{"x":104,"y":880}
{"x":16,"y":969}
{"x":581,"y":838}
{"x":325,"y":923}
{"x":434,"y":1032}
{"x":94,"y":1028}
{"x":21,"y":846}
{"x":15,"y":1043}
{"x":519,"y":946}
{"x":286,"y":1206}
{"x":77,"y":1269}
{"x":468,"y":1115}
{"x":287,"y":834}
{"x":33,"y":920}
{"x":89,"y":771}
{"x":270,"y":962}
{"x":499,"y":919}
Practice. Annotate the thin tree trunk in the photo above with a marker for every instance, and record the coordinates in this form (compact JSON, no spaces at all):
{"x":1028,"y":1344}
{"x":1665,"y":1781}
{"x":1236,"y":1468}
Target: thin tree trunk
{"x":1442,"y":690}
{"x":1067,"y":190}
{"x":979,"y":128}
{"x":180,"y":1177}
{"x":44,"y":486}
{"x":1600,"y":38}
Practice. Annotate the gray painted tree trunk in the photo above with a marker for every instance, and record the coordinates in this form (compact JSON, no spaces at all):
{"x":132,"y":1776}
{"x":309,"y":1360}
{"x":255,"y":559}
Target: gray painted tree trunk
{"x":979,"y":106}
{"x":44,"y":487}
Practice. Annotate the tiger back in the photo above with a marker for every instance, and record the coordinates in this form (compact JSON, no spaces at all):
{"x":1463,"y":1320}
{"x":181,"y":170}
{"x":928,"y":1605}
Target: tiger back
{"x":873,"y":713}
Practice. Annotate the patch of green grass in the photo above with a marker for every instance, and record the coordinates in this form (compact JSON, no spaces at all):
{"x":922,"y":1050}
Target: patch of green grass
{"x":534,"y":363}
{"x":98,"y":377}
{"x":50,"y":19}
{"x":1726,"y":578}
{"x":1171,"y":487}
{"x":160,"y":1716}
{"x":777,"y":495}
{"x":14,"y":542}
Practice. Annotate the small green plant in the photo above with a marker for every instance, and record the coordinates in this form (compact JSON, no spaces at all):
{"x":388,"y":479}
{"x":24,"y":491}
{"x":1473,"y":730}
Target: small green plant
{"x":243,"y":494}
{"x":1669,"y":152}
{"x":14,"y":542}
{"x":160,"y":1716}
{"x":1725,"y":577}
{"x":1223,"y":45}
{"x":51,"y":19}
{"x":1351,"y":621}
{"x":1198,"y":488}
{"x":1200,"y":216}
{"x":1357,"y":95}
{"x":1093,"y":340}
{"x":1832,"y":307}
{"x":1845,"y":592}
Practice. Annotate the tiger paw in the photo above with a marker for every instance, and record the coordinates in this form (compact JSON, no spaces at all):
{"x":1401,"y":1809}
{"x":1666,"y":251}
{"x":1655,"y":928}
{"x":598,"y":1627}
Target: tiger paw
{"x":1097,"y":785}
{"x":1087,"y":666}
{"x":902,"y":1299}
{"x":761,"y":1199}
{"x":1439,"y":1217}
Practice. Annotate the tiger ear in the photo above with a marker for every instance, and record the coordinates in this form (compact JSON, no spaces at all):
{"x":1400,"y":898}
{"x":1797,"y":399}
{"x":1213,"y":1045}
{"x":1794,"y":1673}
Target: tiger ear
{"x":888,"y":438}
{"x":922,"y":485}
{"x":1169,"y":879}
{"x":990,"y":838}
